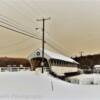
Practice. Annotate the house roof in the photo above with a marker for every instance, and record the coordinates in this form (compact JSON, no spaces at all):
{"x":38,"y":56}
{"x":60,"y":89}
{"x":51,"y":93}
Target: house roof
{"x":97,"y":66}
{"x":50,"y":55}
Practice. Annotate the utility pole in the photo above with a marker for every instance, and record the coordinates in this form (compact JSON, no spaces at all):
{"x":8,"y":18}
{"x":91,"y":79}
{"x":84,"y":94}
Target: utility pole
{"x":81,"y":53}
{"x":43,"y":40}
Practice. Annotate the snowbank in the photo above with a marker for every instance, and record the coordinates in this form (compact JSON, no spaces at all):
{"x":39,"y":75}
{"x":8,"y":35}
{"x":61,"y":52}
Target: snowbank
{"x":85,"y":79}
{"x":36,"y":86}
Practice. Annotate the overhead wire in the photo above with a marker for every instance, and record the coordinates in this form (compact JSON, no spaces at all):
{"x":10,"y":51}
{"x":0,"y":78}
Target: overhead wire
{"x":9,"y":4}
{"x":22,"y":4}
{"x":21,"y":13}
{"x":22,"y":33}
{"x":8,"y":24}
{"x":12,"y":21}
{"x":16,"y":9}
{"x":29,"y":36}
{"x":48,"y":43}
{"x":33,"y":37}
{"x":31,"y":9}
{"x":39,"y":8}
{"x":13,"y":43}
{"x":16,"y":29}
{"x":54,"y":45}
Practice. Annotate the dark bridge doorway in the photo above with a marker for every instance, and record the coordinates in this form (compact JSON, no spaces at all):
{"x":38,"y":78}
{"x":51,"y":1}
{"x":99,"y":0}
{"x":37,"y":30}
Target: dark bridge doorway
{"x":36,"y":63}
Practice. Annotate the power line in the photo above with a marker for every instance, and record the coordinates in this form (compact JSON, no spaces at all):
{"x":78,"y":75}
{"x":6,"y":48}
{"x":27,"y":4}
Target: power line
{"x":16,"y":9}
{"x":22,"y":11}
{"x":21,"y":6}
{"x":54,"y":47}
{"x":15,"y":27}
{"x":20,"y":32}
{"x":40,"y":8}
{"x":53,"y":44}
{"x":11,"y":21}
{"x":32,"y":34}
{"x":31,"y":8}
{"x":9,"y":4}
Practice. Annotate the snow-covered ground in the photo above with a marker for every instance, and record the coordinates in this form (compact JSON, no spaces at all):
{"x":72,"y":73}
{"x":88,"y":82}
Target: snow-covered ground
{"x":85,"y":79}
{"x":27,"y":85}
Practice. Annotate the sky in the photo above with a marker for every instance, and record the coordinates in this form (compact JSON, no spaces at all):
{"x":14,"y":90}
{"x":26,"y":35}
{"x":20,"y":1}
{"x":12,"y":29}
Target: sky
{"x":73,"y":27}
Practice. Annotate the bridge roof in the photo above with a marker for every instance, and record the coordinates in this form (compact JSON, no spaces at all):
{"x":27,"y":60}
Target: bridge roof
{"x":50,"y":55}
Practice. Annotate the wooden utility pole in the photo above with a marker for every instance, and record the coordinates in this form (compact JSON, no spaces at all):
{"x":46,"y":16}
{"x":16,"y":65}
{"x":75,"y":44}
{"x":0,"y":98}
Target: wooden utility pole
{"x":43,"y":40}
{"x":81,"y":53}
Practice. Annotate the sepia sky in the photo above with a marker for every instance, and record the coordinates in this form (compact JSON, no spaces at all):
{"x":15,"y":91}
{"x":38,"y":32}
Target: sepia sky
{"x":74,"y":26}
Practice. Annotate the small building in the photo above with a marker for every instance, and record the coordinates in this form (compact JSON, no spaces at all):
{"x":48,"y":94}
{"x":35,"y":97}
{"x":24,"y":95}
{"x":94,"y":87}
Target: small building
{"x":54,"y":62}
{"x":96,"y":68}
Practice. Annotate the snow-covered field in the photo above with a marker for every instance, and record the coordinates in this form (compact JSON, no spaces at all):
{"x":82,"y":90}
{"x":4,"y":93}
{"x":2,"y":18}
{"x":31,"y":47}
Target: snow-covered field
{"x":36,"y":86}
{"x":85,"y":79}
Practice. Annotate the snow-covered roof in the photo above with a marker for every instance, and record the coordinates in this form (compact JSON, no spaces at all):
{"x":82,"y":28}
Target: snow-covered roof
{"x":50,"y":55}
{"x":96,"y":66}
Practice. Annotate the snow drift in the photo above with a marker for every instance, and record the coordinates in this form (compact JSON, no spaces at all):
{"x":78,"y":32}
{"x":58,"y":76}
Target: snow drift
{"x":36,"y":86}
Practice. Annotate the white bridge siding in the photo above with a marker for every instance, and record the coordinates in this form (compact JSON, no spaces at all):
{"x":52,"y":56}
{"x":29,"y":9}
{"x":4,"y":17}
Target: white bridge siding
{"x":61,"y":70}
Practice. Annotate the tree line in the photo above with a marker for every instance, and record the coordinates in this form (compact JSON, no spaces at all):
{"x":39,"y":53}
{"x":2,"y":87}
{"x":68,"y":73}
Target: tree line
{"x":88,"y":61}
{"x":14,"y":62}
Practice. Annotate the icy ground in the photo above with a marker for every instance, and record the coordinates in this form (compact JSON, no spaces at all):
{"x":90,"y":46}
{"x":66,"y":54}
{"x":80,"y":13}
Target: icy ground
{"x":36,"y":86}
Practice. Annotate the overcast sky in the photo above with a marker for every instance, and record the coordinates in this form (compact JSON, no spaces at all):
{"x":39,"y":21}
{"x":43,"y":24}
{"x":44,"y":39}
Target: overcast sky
{"x":74,"y":26}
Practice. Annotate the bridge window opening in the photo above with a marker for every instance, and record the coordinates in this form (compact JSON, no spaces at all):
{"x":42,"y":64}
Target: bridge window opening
{"x":56,"y":62}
